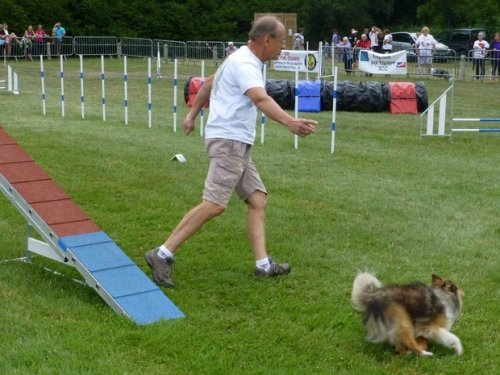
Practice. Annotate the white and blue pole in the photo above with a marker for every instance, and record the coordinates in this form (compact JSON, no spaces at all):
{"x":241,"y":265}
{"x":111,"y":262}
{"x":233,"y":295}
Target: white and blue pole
{"x":202,"y":112}
{"x":334,"y":110}
{"x":82,"y":96}
{"x":263,"y":116}
{"x":62,"y":84}
{"x":150,"y":105}
{"x":103,"y":90}
{"x":175,"y":95}
{"x":296,"y":107}
{"x":125,"y":88}
{"x":42,"y":77}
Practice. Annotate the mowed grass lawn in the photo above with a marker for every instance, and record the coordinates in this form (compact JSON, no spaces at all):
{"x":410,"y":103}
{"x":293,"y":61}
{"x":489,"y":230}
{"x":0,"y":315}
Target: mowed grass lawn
{"x":384,"y":201}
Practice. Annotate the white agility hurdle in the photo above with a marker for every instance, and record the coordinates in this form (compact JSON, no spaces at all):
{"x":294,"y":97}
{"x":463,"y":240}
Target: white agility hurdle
{"x":12,"y":81}
{"x":447,"y":128}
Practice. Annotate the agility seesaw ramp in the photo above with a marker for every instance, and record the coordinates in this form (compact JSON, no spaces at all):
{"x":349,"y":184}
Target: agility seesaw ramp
{"x":72,"y":238}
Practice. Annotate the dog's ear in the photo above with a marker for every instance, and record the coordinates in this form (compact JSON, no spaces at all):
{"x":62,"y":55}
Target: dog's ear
{"x":448,"y":285}
{"x":436,"y":280}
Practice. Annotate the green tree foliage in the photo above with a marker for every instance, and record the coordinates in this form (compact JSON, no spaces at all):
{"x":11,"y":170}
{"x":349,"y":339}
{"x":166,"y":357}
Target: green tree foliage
{"x":452,"y":14}
{"x":223,"y":20}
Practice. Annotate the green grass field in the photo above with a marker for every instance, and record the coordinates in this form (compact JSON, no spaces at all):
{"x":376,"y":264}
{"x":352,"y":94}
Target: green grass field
{"x":384,"y":201}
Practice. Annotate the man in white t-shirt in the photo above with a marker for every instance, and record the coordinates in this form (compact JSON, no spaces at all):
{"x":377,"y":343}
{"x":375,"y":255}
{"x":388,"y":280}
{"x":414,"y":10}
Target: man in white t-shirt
{"x":425,"y":45}
{"x":235,"y":92}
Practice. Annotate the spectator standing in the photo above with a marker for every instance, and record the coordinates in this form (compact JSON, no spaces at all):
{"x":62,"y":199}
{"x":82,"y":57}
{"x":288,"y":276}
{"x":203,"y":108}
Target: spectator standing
{"x":235,"y":92}
{"x":327,"y":48}
{"x":363,"y":43}
{"x":7,"y":38}
{"x":335,"y":37}
{"x":480,"y":50}
{"x":40,"y":38}
{"x":27,"y":42}
{"x":58,"y":32}
{"x":230,"y":49}
{"x":347,"y":54}
{"x":373,"y":36}
{"x":425,"y":45}
{"x":353,"y":38}
{"x":335,"y":42}
{"x":495,"y":57}
{"x":387,"y":42}
{"x":298,"y":40}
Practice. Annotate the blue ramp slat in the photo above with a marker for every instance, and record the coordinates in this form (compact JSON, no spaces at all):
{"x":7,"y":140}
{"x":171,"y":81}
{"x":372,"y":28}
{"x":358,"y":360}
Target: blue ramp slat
{"x":123,"y":281}
{"x":101,"y":256}
{"x":68,"y":242}
{"x":150,"y":307}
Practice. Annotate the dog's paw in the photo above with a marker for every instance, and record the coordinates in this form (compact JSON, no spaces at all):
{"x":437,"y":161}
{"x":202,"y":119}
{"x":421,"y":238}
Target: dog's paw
{"x":459,"y":350}
{"x":425,"y":353}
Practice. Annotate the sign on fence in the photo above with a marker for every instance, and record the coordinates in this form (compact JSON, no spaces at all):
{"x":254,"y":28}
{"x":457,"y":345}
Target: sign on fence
{"x":302,"y":61}
{"x":378,"y":63}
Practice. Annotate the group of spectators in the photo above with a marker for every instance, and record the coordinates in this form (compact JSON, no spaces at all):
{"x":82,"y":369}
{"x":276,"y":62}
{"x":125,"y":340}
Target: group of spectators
{"x":32,"y":41}
{"x":373,"y":39}
{"x":381,"y":42}
{"x":481,"y":49}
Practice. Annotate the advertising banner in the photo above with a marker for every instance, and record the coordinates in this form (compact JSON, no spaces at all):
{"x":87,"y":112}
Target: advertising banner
{"x":303,"y":61}
{"x":378,"y":63}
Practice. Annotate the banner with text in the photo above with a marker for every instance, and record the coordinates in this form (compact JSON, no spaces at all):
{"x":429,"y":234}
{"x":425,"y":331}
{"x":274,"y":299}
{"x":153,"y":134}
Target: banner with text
{"x":378,"y":63}
{"x":303,"y":61}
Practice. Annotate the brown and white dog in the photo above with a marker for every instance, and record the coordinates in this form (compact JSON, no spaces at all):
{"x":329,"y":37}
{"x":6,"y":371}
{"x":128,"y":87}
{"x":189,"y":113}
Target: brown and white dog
{"x":407,"y":316}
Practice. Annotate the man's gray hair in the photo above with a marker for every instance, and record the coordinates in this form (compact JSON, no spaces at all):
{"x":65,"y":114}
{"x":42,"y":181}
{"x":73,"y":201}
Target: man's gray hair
{"x":265,"y":25}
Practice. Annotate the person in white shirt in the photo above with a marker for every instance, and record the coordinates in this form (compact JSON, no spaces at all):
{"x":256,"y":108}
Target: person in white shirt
{"x":298,"y":40}
{"x":480,"y":50}
{"x":387,"y":45}
{"x":235,"y":92}
{"x":424,"y":46}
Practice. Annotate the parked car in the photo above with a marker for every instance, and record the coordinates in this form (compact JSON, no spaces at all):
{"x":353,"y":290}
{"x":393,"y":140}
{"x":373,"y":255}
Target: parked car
{"x":402,"y":40}
{"x":461,"y":40}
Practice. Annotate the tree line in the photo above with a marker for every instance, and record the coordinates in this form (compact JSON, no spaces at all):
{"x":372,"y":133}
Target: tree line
{"x":223,"y":20}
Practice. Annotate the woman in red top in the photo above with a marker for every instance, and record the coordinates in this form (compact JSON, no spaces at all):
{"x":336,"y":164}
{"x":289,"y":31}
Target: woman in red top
{"x":363,"y":43}
{"x":40,"y":35}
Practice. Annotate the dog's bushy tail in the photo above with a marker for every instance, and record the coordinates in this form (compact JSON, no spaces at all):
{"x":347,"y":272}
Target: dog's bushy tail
{"x":365,"y":284}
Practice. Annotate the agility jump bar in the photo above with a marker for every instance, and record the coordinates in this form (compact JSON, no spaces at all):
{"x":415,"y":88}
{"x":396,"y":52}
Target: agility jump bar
{"x":477,"y":130}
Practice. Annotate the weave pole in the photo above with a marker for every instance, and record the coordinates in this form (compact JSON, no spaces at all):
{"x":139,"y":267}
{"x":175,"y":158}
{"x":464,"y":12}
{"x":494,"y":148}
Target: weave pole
{"x":202,"y":112}
{"x":62,"y":84}
{"x":150,"y":104}
{"x":82,"y":96}
{"x":175,"y":95}
{"x":103,"y":90}
{"x":263,"y":116}
{"x":42,"y":77}
{"x":334,"y":110}
{"x":125,"y":89}
{"x":158,"y":61}
{"x":296,"y":107}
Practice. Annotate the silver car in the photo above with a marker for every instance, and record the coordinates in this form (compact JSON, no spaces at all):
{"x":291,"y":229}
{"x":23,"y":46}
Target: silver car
{"x":402,"y":40}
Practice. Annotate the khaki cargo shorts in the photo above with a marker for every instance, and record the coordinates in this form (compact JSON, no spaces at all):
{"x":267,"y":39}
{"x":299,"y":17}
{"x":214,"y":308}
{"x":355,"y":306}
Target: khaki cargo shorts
{"x":231,"y":169}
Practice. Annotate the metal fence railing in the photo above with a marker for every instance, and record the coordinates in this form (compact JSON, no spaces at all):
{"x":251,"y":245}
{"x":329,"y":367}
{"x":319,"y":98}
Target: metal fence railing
{"x":136,"y":47}
{"x":170,"y":49}
{"x":444,"y":62}
{"x":95,"y":45}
